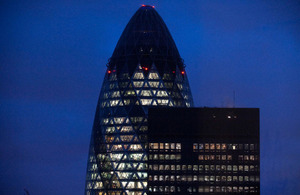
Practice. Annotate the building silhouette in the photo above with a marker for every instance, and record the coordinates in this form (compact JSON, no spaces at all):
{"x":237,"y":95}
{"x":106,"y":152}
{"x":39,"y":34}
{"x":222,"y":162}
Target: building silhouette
{"x":147,"y":140}
{"x":144,"y":71}
{"x":203,"y":150}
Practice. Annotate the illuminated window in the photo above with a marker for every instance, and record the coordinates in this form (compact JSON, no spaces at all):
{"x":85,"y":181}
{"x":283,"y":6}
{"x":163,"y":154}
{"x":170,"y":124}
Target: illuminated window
{"x":153,"y":76}
{"x":218,"y":146}
{"x":173,"y":167}
{"x":167,"y":146}
{"x":172,"y":146}
{"x":201,"y":146}
{"x":161,"y":93}
{"x":195,"y":168}
{"x":212,"y":146}
{"x":161,"y":157}
{"x":172,"y":157}
{"x":195,"y":147}
{"x":206,"y":146}
{"x":146,"y":101}
{"x":229,"y":168}
{"x":167,"y":157}
{"x":153,"y":84}
{"x":195,"y":178}
{"x":167,"y":167}
{"x":229,"y":178}
{"x":223,"y":146}
{"x":178,"y":146}
{"x":138,"y":75}
{"x":200,"y":168}
{"x":235,"y":168}
{"x":241,"y":178}
{"x":240,"y":167}
{"x":138,"y":84}
{"x":146,"y":93}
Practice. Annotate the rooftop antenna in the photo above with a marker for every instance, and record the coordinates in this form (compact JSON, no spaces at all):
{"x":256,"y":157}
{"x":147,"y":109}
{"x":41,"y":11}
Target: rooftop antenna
{"x":234,"y":99}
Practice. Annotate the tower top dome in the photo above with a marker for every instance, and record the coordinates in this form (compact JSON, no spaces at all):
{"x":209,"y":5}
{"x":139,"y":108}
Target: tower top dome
{"x":146,"y":40}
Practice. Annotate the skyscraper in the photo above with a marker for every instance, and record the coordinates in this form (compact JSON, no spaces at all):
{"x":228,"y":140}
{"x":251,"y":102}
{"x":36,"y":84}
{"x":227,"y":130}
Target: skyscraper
{"x":144,"y":71}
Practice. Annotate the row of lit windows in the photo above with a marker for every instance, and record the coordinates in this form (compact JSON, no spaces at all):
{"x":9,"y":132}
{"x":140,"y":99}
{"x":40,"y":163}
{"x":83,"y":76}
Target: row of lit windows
{"x":215,"y":157}
{"x":122,"y":147}
{"x":122,"y":120}
{"x":228,"y":157}
{"x":202,"y":178}
{"x":222,"y":146}
{"x":135,"y":156}
{"x":144,"y":102}
{"x":124,"y":129}
{"x":165,"y":146}
{"x":200,"y":168}
{"x":205,"y":189}
{"x":165,"y":157}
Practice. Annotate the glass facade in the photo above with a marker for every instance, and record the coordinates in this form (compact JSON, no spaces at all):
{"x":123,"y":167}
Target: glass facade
{"x":144,"y":71}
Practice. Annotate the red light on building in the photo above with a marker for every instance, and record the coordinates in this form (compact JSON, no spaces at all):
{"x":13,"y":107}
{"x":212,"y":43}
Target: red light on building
{"x":153,"y":6}
{"x":146,"y":68}
{"x":109,"y":72}
{"x":182,"y":72}
{"x":143,"y":5}
{"x":173,"y":72}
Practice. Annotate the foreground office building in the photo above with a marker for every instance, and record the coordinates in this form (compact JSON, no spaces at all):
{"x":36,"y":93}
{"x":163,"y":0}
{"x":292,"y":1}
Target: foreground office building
{"x":203,"y":150}
{"x":145,"y":70}
{"x":206,"y":150}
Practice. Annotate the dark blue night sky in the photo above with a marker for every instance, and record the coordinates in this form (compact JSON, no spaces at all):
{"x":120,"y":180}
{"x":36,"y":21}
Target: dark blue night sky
{"x":52,"y":63}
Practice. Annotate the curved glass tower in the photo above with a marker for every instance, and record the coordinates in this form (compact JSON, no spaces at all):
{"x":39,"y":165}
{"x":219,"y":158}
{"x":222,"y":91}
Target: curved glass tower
{"x":145,"y":70}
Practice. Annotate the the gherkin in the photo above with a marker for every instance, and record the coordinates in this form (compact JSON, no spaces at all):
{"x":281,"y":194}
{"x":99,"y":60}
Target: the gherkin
{"x":145,"y":70}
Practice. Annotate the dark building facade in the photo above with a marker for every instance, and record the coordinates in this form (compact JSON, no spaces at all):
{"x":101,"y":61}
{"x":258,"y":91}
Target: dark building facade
{"x":203,"y":150}
{"x":144,"y":71}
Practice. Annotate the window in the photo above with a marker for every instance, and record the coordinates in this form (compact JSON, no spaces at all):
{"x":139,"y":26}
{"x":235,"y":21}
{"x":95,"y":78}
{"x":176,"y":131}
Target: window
{"x":195,"y":147}
{"x":201,"y":146}
{"x":224,"y":147}
{"x":178,"y":146}
{"x":167,"y":146}
{"x":161,"y":146}
{"x":206,"y":146}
